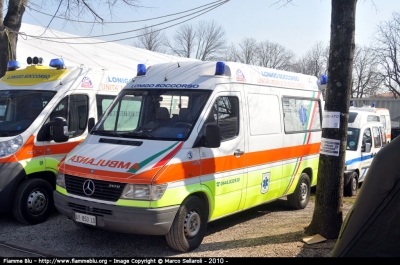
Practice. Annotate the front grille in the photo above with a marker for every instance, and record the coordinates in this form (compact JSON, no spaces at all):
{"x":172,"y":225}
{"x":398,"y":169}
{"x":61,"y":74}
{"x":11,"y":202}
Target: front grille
{"x":89,"y":210}
{"x":103,"y":190}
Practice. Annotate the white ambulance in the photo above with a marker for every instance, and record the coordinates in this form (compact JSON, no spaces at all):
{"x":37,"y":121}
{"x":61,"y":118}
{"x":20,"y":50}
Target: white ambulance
{"x":187,"y":143}
{"x":384,"y":116}
{"x":45,"y":111}
{"x":365,"y":137}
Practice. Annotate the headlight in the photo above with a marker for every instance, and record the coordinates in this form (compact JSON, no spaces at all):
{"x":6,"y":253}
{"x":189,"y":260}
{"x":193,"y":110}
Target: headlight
{"x":60,"y":179}
{"x":143,"y":192}
{"x":11,"y":146}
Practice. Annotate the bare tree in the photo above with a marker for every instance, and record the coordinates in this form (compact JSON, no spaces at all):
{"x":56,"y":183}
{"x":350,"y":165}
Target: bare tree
{"x":230,"y":54}
{"x":366,"y":77}
{"x":184,"y":41}
{"x":246,"y":53}
{"x":328,"y":213}
{"x":210,"y":40}
{"x":273,"y":55}
{"x":11,"y":24}
{"x":387,"y":45}
{"x":151,"y":39}
{"x":204,"y":42}
{"x":315,"y":61}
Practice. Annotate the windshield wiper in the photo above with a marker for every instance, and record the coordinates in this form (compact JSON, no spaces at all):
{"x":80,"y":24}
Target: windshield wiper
{"x":138,"y":134}
{"x":4,"y":133}
{"x":106,"y":133}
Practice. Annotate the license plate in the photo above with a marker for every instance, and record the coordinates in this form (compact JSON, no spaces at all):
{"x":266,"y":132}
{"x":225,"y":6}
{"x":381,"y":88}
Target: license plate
{"x":85,"y":218}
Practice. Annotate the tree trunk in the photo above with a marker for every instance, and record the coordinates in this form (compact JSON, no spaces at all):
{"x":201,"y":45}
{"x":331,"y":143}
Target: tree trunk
{"x":328,"y":215}
{"x":8,"y":39}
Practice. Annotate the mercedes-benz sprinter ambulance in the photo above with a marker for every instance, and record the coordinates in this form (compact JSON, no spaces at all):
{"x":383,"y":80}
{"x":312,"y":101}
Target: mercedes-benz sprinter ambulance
{"x":187,"y":143}
{"x":45,"y":111}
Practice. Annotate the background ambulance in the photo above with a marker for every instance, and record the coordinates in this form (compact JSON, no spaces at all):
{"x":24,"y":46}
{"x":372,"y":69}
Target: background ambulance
{"x":93,"y":76}
{"x":191,"y":142}
{"x":365,"y":137}
{"x":384,"y":117}
{"x":45,"y":111}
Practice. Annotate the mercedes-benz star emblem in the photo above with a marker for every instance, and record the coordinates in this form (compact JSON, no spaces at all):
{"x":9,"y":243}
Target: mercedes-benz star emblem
{"x":88,"y":187}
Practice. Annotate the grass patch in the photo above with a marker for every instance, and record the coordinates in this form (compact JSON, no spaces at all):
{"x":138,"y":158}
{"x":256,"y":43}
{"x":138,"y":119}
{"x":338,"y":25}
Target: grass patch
{"x":348,"y":200}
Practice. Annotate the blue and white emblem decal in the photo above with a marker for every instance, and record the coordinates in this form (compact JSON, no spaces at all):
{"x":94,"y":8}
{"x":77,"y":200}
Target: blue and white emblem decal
{"x":190,"y":155}
{"x":303,"y":115}
{"x":265,"y":182}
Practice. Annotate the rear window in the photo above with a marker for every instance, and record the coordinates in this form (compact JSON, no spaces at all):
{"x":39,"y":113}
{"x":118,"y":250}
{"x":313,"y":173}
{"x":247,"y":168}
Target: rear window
{"x":352,"y":116}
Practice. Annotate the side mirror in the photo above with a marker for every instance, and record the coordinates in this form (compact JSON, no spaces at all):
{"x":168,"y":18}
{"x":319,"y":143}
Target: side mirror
{"x":212,"y":137}
{"x":366,"y":148}
{"x":56,"y":130}
{"x":91,"y":124}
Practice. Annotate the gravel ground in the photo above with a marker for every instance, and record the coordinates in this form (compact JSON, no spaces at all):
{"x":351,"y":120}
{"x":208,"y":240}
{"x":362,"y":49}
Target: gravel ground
{"x":269,"y":230}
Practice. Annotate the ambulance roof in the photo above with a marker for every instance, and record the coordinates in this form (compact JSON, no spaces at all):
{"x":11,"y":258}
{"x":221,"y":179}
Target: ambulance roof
{"x":358,"y":118}
{"x":203,"y":75}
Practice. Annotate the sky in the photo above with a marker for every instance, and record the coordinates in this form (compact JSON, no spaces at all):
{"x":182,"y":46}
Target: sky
{"x":297,"y":26}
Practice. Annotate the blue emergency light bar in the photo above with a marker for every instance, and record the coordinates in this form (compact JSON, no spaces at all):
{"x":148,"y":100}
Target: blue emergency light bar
{"x":323,"y":80}
{"x":141,"y":69}
{"x":220,"y":68}
{"x":57,"y":63}
{"x":12,"y":65}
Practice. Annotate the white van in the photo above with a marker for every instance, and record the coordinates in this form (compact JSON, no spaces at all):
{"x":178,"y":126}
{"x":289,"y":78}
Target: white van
{"x":383,"y":114}
{"x":365,"y":137}
{"x":44,"y":113}
{"x":242,"y":136}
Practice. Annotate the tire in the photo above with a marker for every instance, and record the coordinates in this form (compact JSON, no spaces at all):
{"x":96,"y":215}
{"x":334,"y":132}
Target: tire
{"x":351,"y":188}
{"x":300,"y":197}
{"x":33,"y":202}
{"x":189,"y":226}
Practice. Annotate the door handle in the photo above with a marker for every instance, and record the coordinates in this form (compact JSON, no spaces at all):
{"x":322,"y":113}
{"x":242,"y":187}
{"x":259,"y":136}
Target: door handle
{"x":238,"y":152}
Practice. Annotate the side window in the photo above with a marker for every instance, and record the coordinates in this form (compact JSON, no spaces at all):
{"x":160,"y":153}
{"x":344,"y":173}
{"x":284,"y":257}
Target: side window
{"x":75,"y":110}
{"x":225,"y":113}
{"x":367,"y":137}
{"x":265,"y":114}
{"x":377,"y":137}
{"x":383,"y":134}
{"x":301,"y":115}
{"x":78,"y":115}
{"x":61,"y":110}
{"x":383,"y":121}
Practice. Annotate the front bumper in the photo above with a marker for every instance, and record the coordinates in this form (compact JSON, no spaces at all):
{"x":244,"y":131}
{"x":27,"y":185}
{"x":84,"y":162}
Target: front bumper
{"x":122,"y":219}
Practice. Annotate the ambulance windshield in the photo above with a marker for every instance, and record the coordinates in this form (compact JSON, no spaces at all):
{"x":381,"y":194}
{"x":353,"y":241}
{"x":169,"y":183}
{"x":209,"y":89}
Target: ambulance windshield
{"x":19,"y":108}
{"x":162,"y":114}
{"x":352,"y":139}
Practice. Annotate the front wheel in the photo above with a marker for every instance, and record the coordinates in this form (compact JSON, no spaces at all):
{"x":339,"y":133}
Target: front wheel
{"x":33,"y":202}
{"x":351,"y":188}
{"x":189,"y":226}
{"x":300,"y":197}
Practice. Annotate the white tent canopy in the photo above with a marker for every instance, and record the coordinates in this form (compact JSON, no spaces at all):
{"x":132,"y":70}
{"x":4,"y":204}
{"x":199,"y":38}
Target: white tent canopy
{"x":104,"y":55}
